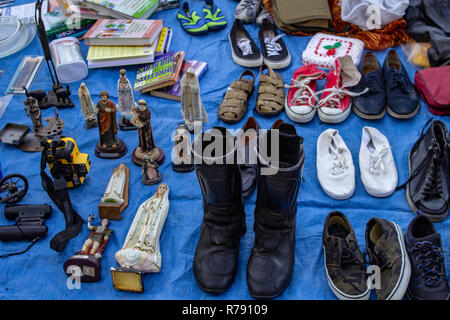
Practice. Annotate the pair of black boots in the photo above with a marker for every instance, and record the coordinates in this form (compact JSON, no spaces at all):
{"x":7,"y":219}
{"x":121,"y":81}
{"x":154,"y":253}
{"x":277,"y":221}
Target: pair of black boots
{"x":271,"y":261}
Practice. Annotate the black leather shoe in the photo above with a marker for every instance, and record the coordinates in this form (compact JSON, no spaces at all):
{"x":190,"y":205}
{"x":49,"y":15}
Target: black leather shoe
{"x":247,"y":157}
{"x":372,"y":104}
{"x":428,"y":185}
{"x":217,"y":252}
{"x":271,"y":261}
{"x":401,"y":96}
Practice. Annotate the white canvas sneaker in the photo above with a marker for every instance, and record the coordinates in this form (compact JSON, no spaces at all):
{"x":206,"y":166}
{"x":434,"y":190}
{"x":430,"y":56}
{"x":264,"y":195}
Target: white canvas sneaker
{"x":376,"y":164}
{"x":335,"y":169}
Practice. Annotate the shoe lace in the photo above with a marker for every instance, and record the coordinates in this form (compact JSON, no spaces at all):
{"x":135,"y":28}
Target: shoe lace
{"x":380,"y":259}
{"x":432,"y":185}
{"x":433,"y":182}
{"x":272,"y":46}
{"x":371,"y":83}
{"x":431,"y":261}
{"x":333,"y":99}
{"x":397,"y":80}
{"x":376,"y":164}
{"x":348,"y":256}
{"x":245,"y":45}
{"x":339,"y":162}
{"x":304,"y":94}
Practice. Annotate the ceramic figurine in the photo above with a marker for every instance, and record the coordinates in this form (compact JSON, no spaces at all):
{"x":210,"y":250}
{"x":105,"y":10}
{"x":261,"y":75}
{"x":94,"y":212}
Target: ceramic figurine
{"x":192,"y":109}
{"x":126,"y":101}
{"x":109,"y":146}
{"x":140,"y":252}
{"x":147,"y":147}
{"x":88,"y":259}
{"x":181,"y":154}
{"x":150,"y":172}
{"x":87,"y":106}
{"x":115,"y":199}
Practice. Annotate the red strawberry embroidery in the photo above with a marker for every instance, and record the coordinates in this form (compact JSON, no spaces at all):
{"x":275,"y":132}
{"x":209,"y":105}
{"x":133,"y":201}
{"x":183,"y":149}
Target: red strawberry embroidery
{"x":331,"y":50}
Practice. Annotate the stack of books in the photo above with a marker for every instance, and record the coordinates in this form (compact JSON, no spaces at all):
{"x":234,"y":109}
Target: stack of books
{"x":107,"y":9}
{"x":126,"y":42}
{"x":162,"y":77}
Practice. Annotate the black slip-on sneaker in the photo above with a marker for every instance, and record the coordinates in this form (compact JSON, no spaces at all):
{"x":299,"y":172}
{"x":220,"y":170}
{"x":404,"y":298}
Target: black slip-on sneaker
{"x":244,"y":50}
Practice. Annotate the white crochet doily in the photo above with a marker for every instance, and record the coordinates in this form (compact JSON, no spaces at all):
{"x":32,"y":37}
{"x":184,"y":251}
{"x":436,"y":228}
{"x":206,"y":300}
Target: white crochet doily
{"x":316,"y":52}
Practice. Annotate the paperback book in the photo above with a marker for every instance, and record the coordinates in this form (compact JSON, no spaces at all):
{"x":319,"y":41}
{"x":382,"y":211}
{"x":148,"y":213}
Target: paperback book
{"x":174,"y":92}
{"x":113,"y":56}
{"x":173,"y":78}
{"x":124,"y":32}
{"x":123,"y":9}
{"x":162,"y":72}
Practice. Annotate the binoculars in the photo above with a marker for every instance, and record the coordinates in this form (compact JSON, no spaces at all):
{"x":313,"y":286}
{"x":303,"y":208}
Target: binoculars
{"x":30,"y":222}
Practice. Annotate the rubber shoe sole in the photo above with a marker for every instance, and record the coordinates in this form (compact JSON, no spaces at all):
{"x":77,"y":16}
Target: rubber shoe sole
{"x":402,"y":284}
{"x":340,"y":294}
{"x":367,"y":116}
{"x":334,"y":119}
{"x":403,"y":116}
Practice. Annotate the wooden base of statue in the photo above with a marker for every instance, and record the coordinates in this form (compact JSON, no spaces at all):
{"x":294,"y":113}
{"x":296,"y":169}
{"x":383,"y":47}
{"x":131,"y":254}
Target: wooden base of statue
{"x":91,"y":123}
{"x":111,"y":153}
{"x":139,"y":156}
{"x":90,"y":267}
{"x":113,"y":211}
{"x":125,"y":124}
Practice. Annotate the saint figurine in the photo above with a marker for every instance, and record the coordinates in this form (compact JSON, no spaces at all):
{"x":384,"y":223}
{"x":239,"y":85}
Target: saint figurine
{"x":87,"y":106}
{"x":147,"y":147}
{"x":109,"y":145}
{"x":87,"y":260}
{"x":126,"y":101}
{"x":192,"y":109}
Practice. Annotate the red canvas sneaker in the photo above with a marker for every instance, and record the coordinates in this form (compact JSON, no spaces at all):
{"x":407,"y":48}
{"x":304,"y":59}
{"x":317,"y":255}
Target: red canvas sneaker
{"x":335,"y":102}
{"x":300,"y":102}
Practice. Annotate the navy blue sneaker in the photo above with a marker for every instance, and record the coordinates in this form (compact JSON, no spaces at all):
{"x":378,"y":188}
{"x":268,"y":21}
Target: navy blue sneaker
{"x":372,"y":104}
{"x":428,"y":278}
{"x":401,"y":96}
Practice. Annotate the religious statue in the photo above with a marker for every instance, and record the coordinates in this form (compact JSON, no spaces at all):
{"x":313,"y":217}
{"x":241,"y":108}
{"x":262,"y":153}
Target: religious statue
{"x":109,"y":145}
{"x":115,"y":198}
{"x":87,"y":106}
{"x":126,"y":101}
{"x":87,"y":260}
{"x":150,"y":172}
{"x":140,"y":252}
{"x":147,"y":147}
{"x":192,"y":109}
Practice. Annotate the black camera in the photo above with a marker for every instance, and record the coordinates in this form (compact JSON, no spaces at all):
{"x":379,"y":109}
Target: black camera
{"x":30,"y":222}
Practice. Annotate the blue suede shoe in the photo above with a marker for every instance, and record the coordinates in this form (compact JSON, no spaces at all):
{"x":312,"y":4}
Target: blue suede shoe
{"x":213,"y":16}
{"x":372,"y":104}
{"x":190,"y":21}
{"x":401,"y":96}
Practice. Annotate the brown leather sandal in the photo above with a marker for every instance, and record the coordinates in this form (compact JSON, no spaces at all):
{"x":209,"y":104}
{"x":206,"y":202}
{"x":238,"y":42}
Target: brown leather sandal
{"x":270,"y":92}
{"x":234,"y":104}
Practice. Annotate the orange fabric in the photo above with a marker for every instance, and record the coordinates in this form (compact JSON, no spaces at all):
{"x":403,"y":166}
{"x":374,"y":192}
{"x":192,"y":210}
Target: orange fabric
{"x":391,"y":35}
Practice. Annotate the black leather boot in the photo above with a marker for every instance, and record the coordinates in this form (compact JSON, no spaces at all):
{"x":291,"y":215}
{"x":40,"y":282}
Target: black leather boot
{"x":271,"y":261}
{"x":216,"y":256}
